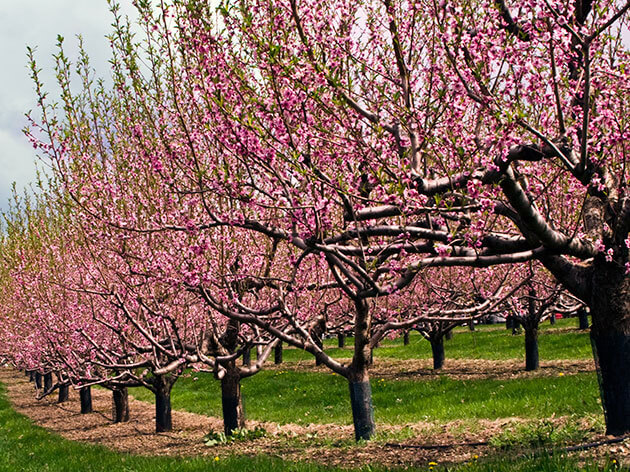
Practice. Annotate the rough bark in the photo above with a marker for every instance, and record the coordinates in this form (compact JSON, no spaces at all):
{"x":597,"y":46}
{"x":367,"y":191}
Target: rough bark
{"x":120,"y":405}
{"x":48,"y":382}
{"x":163,"y":415}
{"x":63,"y":394}
{"x":85,"y":396}
{"x":232,"y":401}
{"x":362,"y":409}
{"x":531,"y":348}
{"x":247,"y":357}
{"x":359,"y":378}
{"x":610,"y":337}
{"x":38,"y":380}
{"x":277,"y":354}
{"x":437,"y":348}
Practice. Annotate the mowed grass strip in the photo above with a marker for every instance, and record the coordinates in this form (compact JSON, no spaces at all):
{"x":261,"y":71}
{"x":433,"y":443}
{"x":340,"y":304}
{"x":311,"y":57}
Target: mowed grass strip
{"x":29,"y":448}
{"x":493,"y":342}
{"x":304,"y":397}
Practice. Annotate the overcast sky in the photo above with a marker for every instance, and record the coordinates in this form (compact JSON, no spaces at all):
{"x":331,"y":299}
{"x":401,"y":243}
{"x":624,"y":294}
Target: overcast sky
{"x":37,"y":23}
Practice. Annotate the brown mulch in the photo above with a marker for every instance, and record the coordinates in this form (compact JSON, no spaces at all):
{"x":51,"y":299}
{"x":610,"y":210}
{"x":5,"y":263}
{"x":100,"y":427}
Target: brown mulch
{"x":458,"y":369}
{"x":326,"y":444}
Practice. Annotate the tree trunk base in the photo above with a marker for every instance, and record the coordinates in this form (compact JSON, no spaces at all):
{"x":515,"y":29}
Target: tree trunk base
{"x":85,"y":395}
{"x":120,"y":405}
{"x":63,"y":394}
{"x":612,"y":358}
{"x":362,"y":410}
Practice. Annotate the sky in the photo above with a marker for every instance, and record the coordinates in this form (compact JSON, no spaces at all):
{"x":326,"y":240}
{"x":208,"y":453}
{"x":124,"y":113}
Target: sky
{"x":37,"y":23}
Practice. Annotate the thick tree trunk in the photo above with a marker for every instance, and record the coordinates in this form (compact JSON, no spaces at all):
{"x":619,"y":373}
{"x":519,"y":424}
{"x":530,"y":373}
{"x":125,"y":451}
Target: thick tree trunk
{"x":406,"y":338}
{"x":610,"y":338}
{"x":437,"y":348}
{"x":448,"y":335}
{"x":359,"y":378}
{"x":277,"y":354}
{"x":63,"y":394}
{"x":38,"y":380}
{"x":531,"y":348}
{"x":362,"y":409}
{"x":582,"y":319}
{"x":85,"y":396}
{"x":471,"y":325}
{"x":341,"y":340}
{"x":163,"y":416}
{"x":48,"y":382}
{"x":509,"y":322}
{"x":120,"y":405}
{"x":232,"y":401}
{"x":552,"y":319}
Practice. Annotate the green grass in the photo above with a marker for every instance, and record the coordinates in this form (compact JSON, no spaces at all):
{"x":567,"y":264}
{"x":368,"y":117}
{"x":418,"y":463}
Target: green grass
{"x":28,"y":448}
{"x":316,"y":397}
{"x":492,"y":342}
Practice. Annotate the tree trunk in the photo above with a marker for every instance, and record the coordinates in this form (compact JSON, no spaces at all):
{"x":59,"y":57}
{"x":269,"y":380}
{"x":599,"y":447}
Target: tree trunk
{"x":552,"y":319}
{"x":247,"y":357}
{"x":341,"y":340}
{"x":120,"y":405}
{"x":406,"y":338}
{"x":531,"y":348}
{"x":610,"y":338}
{"x":509,"y":322}
{"x":48,"y":382}
{"x":232,"y":401}
{"x":471,"y":325}
{"x":163,"y":416}
{"x":437,"y":348}
{"x":38,"y":380}
{"x":448,"y":335}
{"x":31,"y":375}
{"x":277,"y":354}
{"x":359,"y":378}
{"x":362,"y":409}
{"x":85,"y":395}
{"x":582,"y":319}
{"x":63,"y":394}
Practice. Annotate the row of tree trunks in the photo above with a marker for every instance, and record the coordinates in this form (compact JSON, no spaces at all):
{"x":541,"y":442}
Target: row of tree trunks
{"x":120,"y":396}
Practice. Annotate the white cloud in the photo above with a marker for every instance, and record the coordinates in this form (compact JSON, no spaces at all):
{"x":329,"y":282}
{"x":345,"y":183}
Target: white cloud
{"x":37,"y":23}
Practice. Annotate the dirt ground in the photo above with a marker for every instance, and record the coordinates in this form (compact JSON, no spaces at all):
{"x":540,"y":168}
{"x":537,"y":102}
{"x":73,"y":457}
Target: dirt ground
{"x":327,"y":444}
{"x":459,"y":369}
